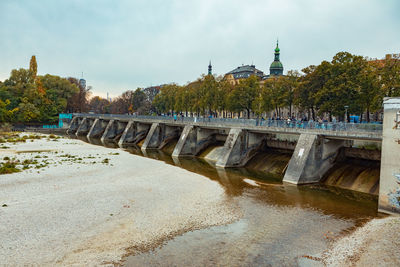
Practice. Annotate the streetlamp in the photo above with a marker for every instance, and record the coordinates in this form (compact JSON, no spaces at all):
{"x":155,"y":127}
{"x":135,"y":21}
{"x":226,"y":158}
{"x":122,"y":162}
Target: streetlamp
{"x":345,"y":116}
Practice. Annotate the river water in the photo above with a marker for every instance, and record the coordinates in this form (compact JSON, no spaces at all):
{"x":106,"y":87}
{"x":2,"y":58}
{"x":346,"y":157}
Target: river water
{"x":282,"y":224}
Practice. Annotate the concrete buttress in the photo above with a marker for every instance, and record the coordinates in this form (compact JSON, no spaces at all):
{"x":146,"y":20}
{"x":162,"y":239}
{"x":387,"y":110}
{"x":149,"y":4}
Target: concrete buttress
{"x":127,"y":134}
{"x":73,"y":126}
{"x":193,"y":140}
{"x":97,"y":129}
{"x":240,"y":146}
{"x":107,"y":130}
{"x":84,"y":127}
{"x":312,"y":158}
{"x":153,"y":137}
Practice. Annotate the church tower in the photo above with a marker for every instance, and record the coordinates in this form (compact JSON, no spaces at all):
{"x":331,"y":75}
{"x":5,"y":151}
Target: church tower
{"x":209,"y":69}
{"x":276,"y":67}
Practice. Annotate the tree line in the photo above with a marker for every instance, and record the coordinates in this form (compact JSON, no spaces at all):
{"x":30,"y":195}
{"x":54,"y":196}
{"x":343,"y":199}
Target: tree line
{"x":347,"y":84}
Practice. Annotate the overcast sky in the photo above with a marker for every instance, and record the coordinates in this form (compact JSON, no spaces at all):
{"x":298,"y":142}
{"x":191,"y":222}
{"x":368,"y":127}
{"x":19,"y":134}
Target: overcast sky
{"x":121,"y":45}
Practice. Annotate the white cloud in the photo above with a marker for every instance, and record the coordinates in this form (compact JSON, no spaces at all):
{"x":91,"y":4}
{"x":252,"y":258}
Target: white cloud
{"x":122,"y":45}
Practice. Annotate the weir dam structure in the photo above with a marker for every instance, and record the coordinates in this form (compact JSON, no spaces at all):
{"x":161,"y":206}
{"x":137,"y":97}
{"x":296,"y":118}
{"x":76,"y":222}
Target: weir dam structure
{"x":316,"y":146}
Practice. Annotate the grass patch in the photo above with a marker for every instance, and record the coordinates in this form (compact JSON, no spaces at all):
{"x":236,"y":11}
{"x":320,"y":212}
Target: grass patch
{"x":9,"y":167}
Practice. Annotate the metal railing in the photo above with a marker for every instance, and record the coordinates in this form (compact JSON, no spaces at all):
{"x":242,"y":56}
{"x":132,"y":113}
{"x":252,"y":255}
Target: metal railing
{"x":329,"y":126}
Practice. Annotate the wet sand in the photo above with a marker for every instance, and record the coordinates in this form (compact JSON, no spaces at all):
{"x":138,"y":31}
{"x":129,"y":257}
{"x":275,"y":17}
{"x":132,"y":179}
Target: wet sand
{"x":76,"y":212}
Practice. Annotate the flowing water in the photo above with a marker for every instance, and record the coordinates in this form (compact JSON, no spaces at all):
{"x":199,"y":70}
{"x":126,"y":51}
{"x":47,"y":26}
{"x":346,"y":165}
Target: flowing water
{"x":282,"y":225}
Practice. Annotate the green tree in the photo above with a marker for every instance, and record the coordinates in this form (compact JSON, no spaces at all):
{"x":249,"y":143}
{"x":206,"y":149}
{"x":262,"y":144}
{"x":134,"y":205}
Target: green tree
{"x":6,"y":115}
{"x":209,"y":92}
{"x":341,"y":87}
{"x":389,"y":74}
{"x":165,"y":101}
{"x":27,"y":112}
{"x":99,"y":105}
{"x":274,"y":94}
{"x":370,"y":94}
{"x":139,"y":101}
{"x":244,"y":94}
{"x":33,"y":68}
{"x":290,"y":82}
{"x":58,"y":91}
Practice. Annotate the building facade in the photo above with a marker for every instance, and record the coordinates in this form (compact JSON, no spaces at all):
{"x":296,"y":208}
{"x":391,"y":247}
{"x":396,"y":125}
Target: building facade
{"x":245,"y":71}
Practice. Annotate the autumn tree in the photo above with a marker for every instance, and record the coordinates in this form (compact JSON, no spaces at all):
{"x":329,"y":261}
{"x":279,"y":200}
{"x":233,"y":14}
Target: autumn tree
{"x":79,"y":101}
{"x":390,"y":75}
{"x":370,"y":94}
{"x":244,"y":94}
{"x":99,"y":105}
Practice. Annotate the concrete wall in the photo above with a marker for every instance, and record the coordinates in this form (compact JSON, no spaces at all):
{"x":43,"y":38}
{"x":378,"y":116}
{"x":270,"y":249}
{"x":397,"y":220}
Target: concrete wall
{"x":389,"y":187}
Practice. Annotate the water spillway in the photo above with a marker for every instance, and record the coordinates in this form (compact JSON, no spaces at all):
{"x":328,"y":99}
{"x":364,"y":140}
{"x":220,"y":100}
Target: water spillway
{"x":270,"y":161}
{"x":355,"y":174}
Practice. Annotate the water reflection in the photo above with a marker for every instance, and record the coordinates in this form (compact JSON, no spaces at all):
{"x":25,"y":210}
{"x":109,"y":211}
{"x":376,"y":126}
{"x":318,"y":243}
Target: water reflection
{"x":269,"y":188}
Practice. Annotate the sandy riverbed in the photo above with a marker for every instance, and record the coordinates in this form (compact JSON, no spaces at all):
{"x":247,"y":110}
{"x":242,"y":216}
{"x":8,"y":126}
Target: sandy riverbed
{"x":81,"y":210}
{"x":377,"y":243}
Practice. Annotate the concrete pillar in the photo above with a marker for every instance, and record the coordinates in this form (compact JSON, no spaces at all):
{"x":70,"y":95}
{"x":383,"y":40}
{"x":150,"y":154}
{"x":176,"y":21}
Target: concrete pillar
{"x":159,"y":135}
{"x":97,"y":129}
{"x":193,"y":140}
{"x":133,"y":133}
{"x":127,"y":134}
{"x":107,"y":131}
{"x":113,"y":131}
{"x":183,"y":147}
{"x":153,"y":137}
{"x":240,"y":146}
{"x":312,"y":158}
{"x":73,"y":125}
{"x":84,"y":127}
{"x":389,"y":184}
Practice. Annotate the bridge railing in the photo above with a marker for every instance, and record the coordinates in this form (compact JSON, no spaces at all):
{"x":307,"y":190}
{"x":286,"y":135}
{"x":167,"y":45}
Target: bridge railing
{"x":330,"y":126}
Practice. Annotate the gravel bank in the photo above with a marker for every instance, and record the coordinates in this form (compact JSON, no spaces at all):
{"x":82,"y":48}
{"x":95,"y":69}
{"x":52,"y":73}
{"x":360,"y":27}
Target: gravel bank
{"x":377,"y":243}
{"x":92,"y":205}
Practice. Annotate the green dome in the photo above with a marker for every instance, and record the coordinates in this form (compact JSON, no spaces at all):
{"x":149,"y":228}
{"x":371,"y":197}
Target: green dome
{"x":277,"y":49}
{"x":276,"y":65}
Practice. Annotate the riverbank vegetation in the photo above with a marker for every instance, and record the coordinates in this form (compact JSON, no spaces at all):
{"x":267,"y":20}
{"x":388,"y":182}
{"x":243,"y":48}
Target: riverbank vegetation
{"x":348,"y":84}
{"x":27,"y":97}
{"x":13,"y":160}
